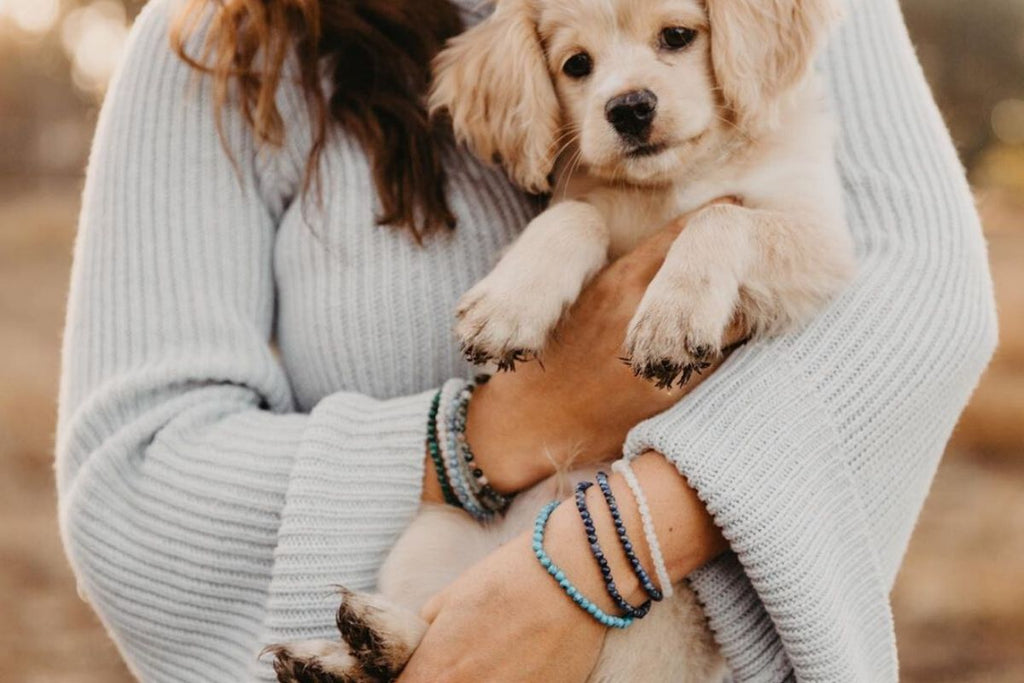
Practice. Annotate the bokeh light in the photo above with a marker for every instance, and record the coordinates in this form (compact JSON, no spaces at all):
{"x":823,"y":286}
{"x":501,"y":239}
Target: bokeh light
{"x":1008,"y":121}
{"x":31,"y":16}
{"x":93,"y":37}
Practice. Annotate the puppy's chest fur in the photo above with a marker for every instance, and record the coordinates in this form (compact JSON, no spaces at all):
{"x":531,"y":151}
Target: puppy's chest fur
{"x":632,"y":212}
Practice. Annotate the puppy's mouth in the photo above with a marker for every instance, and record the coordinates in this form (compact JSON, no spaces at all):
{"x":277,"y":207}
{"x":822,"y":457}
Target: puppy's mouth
{"x":644,"y":150}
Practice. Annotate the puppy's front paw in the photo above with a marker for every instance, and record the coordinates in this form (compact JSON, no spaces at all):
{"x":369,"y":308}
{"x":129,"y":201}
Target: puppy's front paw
{"x":679,"y":326}
{"x":507,"y":322}
{"x":377,"y":639}
{"x":315,"y":661}
{"x":379,"y":634}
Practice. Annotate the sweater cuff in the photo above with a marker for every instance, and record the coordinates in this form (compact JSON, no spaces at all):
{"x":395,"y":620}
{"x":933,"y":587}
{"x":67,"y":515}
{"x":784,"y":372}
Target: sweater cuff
{"x":742,"y":628}
{"x":355,"y":486}
{"x":802,"y":583}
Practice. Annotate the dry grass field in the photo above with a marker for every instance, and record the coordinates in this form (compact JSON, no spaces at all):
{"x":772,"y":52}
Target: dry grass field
{"x":959,"y":600}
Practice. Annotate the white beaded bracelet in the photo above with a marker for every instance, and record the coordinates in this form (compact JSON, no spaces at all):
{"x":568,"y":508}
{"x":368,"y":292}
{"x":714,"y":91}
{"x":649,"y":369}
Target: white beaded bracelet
{"x":448,"y":390}
{"x":622,"y":467}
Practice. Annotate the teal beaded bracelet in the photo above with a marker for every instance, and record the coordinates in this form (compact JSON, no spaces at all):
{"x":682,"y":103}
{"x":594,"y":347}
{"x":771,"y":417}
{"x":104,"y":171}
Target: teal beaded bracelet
{"x":558,"y":575}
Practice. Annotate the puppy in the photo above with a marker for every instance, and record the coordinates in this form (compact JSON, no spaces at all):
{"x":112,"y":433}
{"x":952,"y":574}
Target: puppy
{"x":630,"y":113}
{"x":633,"y":112}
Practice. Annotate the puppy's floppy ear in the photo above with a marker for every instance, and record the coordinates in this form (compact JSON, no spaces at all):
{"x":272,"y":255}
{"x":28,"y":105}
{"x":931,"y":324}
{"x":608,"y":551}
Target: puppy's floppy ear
{"x":493,"y":81}
{"x":762,"y":48}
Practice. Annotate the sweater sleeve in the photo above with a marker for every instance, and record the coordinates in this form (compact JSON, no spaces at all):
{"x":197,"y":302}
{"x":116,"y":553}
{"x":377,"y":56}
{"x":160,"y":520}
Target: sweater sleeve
{"x":188,"y":484}
{"x":814,"y":452}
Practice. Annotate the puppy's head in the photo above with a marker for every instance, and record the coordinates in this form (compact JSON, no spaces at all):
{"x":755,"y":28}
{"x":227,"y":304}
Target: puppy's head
{"x":636,"y":88}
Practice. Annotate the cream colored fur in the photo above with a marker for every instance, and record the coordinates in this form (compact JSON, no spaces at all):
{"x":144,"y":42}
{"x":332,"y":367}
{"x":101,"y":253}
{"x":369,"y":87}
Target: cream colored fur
{"x":739,"y":115}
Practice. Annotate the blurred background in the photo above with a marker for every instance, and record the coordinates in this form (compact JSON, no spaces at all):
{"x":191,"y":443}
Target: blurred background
{"x":959,"y":601}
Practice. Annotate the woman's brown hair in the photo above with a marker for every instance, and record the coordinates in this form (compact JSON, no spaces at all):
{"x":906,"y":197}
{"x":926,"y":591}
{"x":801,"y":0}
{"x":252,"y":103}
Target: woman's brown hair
{"x":376,"y":55}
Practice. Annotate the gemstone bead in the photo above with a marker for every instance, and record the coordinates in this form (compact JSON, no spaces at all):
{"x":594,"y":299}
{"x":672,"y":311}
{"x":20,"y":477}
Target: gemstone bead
{"x":627,"y":546}
{"x":563,"y":581}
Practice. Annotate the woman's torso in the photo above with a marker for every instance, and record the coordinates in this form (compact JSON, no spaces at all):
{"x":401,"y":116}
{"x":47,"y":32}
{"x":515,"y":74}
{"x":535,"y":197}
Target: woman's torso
{"x":362,"y":307}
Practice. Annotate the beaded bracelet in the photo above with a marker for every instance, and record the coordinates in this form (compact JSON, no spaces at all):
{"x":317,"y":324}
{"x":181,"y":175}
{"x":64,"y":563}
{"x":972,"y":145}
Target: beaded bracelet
{"x":448,"y":391}
{"x":434,"y":448}
{"x":454,"y":459}
{"x":622,"y":467}
{"x":468,"y":482}
{"x":602,"y":562}
{"x":491,"y":499}
{"x":627,"y":546}
{"x":558,"y":575}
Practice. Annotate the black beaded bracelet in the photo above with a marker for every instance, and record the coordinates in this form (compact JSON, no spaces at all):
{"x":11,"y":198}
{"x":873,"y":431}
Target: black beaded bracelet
{"x":627,"y":546}
{"x":602,"y":562}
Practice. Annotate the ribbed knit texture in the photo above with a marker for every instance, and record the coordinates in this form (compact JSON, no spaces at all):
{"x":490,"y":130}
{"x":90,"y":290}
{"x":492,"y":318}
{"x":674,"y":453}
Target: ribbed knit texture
{"x":214,"y":489}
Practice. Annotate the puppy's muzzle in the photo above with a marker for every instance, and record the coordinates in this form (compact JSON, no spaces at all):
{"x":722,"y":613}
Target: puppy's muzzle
{"x":632,"y":114}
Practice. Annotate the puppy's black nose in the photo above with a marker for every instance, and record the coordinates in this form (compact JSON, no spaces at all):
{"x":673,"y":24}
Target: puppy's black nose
{"x":631,"y":114}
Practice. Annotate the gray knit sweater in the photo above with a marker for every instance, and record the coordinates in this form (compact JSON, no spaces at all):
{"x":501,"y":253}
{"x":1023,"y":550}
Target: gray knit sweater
{"x":214,"y":489}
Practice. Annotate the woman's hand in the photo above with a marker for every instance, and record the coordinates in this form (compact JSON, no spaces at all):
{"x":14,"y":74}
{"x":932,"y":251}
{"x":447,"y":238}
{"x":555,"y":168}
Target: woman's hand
{"x":505,"y":620}
{"x":580,"y":400}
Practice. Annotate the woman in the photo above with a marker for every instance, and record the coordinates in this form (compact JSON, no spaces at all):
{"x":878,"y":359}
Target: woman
{"x":213,"y":490}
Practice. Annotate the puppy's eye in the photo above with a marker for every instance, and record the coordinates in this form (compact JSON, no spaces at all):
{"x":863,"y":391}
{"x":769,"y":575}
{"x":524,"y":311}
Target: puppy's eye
{"x":677,"y":37}
{"x":578,"y":66}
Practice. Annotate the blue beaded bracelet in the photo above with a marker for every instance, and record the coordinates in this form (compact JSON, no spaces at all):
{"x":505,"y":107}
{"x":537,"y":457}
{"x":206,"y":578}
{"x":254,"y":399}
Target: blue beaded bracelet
{"x":602,"y":562}
{"x":627,"y":545}
{"x":581,"y":601}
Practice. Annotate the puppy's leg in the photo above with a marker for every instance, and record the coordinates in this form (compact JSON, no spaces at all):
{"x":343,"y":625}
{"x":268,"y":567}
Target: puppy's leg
{"x":774,"y":268}
{"x":509,"y":314}
{"x":377,"y":639}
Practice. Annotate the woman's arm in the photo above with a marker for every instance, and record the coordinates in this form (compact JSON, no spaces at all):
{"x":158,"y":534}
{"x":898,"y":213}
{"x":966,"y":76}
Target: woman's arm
{"x":202,"y":514}
{"x":815,"y":452}
{"x":554,"y":639}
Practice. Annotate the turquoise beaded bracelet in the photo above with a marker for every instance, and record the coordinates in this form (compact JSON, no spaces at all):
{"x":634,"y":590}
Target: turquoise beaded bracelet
{"x":558,"y":575}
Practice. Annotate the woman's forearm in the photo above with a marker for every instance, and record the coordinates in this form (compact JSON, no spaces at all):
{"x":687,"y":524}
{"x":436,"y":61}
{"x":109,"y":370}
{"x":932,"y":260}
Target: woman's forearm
{"x":685,"y":529}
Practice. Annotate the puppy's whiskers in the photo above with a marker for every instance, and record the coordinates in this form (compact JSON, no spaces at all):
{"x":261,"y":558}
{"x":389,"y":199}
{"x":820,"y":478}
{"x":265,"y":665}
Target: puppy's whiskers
{"x":568,"y":144}
{"x":735,"y":126}
{"x":570,"y":135}
{"x":569,"y":170}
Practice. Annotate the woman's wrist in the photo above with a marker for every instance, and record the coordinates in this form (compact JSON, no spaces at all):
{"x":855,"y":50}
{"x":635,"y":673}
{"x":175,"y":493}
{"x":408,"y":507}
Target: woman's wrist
{"x":508,"y":436}
{"x":686,"y":533}
{"x":567,"y":544}
{"x":524,"y":424}
{"x":451,"y":466}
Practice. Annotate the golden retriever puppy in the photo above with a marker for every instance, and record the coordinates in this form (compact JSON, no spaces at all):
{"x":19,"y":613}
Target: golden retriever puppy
{"x":631,"y":113}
